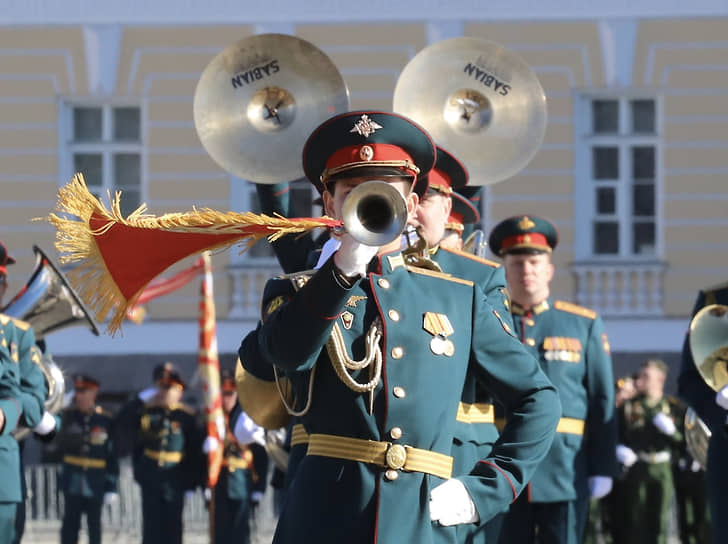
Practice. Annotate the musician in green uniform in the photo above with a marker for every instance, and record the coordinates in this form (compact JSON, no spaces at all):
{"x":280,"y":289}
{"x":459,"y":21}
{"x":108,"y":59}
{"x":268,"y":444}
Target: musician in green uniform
{"x":380,"y":402}
{"x":168,"y":459}
{"x":647,"y":437}
{"x":712,"y":408}
{"x":240,"y":483}
{"x":22,"y":403}
{"x":440,"y":219}
{"x":572,"y":346}
{"x":89,"y":468}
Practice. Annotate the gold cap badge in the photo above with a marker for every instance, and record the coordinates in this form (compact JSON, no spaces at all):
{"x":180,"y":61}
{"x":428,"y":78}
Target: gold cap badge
{"x":525,"y":223}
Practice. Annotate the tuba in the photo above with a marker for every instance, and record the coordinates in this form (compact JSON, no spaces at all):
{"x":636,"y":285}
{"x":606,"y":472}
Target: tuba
{"x":49,"y":304}
{"x":697,"y":436}
{"x":709,"y":345}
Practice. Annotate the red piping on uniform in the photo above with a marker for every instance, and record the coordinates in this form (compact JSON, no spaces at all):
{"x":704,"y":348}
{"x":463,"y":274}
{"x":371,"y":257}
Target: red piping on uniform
{"x":282,"y":191}
{"x":515,"y":495}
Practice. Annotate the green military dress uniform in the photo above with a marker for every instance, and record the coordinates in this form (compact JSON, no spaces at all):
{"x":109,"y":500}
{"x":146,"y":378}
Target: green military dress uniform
{"x":475,"y":430}
{"x":22,"y":398}
{"x":167,"y":462}
{"x":701,"y":398}
{"x":383,"y":402}
{"x":572,"y":346}
{"x":649,"y":481}
{"x":243,"y":474}
{"x":89,"y":469}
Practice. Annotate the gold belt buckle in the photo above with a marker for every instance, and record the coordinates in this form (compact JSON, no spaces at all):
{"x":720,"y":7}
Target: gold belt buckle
{"x":396,"y":456}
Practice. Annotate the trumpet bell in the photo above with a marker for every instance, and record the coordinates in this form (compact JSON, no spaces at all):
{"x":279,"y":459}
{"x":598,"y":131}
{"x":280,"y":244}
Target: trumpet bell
{"x":709,"y":345}
{"x":48,"y":302}
{"x":479,"y":101}
{"x":259,"y":99}
{"x":374,"y":213}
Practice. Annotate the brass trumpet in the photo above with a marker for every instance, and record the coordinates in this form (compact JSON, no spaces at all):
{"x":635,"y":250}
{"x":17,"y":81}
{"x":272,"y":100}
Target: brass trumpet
{"x":374,"y":213}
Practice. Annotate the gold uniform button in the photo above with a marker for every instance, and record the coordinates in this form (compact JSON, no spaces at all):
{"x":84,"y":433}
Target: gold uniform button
{"x":383,"y":283}
{"x":399,"y":392}
{"x":396,"y":433}
{"x":393,"y":315}
{"x":530,"y":341}
{"x":397,"y":352}
{"x":529,"y":322}
{"x":391,"y":474}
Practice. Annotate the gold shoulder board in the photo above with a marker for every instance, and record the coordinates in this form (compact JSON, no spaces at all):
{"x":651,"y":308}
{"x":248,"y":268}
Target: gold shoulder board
{"x":22,"y":325}
{"x":433,"y":274}
{"x":574,"y":309}
{"x":481,"y":260}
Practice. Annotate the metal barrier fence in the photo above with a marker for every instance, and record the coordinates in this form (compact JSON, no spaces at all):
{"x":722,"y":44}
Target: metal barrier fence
{"x":121,"y":519}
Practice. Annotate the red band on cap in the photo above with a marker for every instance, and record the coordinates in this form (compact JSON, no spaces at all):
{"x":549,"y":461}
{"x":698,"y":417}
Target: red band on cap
{"x":456,"y":217}
{"x":440,"y":181}
{"x":530,"y":239}
{"x":371,"y":153}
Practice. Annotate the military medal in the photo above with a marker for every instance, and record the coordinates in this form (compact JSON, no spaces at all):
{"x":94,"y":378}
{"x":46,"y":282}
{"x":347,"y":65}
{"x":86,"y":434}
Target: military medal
{"x":437,"y":344}
{"x":439,"y":326}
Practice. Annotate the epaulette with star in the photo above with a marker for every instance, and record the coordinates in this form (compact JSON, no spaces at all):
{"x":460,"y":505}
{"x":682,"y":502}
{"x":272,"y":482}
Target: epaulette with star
{"x":572,"y":308}
{"x":22,"y":325}
{"x":481,"y":260}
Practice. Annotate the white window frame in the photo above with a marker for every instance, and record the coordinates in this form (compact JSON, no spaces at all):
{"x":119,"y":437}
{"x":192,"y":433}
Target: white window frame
{"x":106,"y":147}
{"x":585,"y":193}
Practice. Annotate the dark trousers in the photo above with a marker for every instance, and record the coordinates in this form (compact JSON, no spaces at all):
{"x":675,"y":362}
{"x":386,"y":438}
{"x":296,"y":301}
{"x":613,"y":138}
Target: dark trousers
{"x":651,"y":489}
{"x":693,"y":518}
{"x":540,"y":522}
{"x":161,"y":517}
{"x":75,"y":505}
{"x":232,"y":518}
{"x":7,"y":522}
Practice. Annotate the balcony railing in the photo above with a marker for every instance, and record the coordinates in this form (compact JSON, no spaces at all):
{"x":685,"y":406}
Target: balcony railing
{"x":620,"y":288}
{"x":247,"y":284}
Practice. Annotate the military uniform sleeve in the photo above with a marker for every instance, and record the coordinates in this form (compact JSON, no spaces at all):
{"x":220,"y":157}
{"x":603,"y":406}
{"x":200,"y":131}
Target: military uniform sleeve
{"x":497,"y":295}
{"x":33,"y":388}
{"x":693,"y":389}
{"x":195,"y":459}
{"x":292,"y":335}
{"x":601,"y":423}
{"x":518,"y":383}
{"x":260,"y":463}
{"x":292,"y":250}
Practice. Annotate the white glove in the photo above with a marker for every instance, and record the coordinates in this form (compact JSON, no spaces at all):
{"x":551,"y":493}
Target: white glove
{"x":207,"y":493}
{"x":721,"y":398}
{"x":210,"y":444}
{"x":110,"y":497}
{"x":664,"y":423}
{"x":695,"y":466}
{"x":247,"y":431}
{"x":353,"y":257}
{"x":146,"y":394}
{"x":626,"y":455}
{"x":46,"y":425}
{"x":599,"y":486}
{"x":330,"y":247}
{"x":450,"y":504}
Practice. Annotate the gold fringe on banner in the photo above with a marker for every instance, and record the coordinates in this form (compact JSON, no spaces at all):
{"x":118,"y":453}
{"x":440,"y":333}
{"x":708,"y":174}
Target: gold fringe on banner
{"x":102,"y":288}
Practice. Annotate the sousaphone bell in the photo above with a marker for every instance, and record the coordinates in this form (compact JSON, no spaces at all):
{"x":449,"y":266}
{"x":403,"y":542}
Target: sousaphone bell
{"x":709,"y":345}
{"x":478,"y":100}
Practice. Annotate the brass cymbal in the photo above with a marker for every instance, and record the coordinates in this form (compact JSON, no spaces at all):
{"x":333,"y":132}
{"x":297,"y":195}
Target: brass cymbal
{"x":709,"y":345}
{"x":479,"y":101}
{"x":259,"y":99}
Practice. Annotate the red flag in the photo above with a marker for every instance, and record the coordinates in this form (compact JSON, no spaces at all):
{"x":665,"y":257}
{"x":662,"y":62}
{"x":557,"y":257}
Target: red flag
{"x":161,"y":286}
{"x":209,"y":368}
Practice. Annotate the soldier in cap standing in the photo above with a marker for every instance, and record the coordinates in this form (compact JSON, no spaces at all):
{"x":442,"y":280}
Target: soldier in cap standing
{"x":168,"y":459}
{"x":572,"y":346}
{"x":380,"y":404}
{"x":648,"y":436}
{"x":89,"y":469}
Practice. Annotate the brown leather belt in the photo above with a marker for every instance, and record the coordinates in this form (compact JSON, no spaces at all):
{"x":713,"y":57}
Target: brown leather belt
{"x":478,"y":412}
{"x":382,"y":454}
{"x":84,"y":462}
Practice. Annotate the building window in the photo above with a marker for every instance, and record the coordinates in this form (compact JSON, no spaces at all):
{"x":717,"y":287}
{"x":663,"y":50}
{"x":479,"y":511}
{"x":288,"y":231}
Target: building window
{"x":106,"y":147}
{"x":618,"y":178}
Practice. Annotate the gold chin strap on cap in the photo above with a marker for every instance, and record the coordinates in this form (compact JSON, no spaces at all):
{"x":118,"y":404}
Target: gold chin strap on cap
{"x":408,"y":165}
